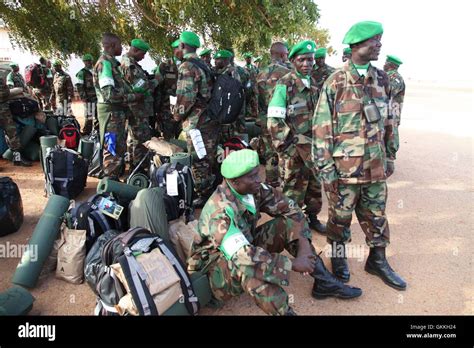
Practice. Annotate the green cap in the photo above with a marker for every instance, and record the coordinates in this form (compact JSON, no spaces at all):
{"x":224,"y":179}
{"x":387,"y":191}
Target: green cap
{"x":12,"y":64}
{"x":258,"y":59}
{"x":362,"y":31}
{"x":175,"y":43}
{"x":140,"y":44}
{"x":189,"y":38}
{"x":320,"y":52}
{"x":205,"y":52}
{"x":87,"y":56}
{"x":57,"y":62}
{"x":394,"y":59}
{"x":347,"y":50}
{"x":302,"y":47}
{"x":247,"y":55}
{"x":223,"y":54}
{"x":239,"y":163}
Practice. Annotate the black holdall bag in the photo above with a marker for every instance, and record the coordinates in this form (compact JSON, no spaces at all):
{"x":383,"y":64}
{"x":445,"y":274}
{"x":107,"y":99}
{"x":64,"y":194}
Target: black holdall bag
{"x":23,"y":107}
{"x":227,"y":99}
{"x":11,"y":207}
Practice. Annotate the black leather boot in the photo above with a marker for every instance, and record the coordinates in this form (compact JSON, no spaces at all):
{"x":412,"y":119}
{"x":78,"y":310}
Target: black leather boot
{"x":327,"y":285}
{"x":377,"y":264}
{"x":340,"y":267}
{"x":290,"y":312}
{"x":18,"y":160}
{"x":315,"y":224}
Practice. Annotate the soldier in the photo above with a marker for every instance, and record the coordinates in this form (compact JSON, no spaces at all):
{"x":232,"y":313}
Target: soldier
{"x":354,"y":146}
{"x":321,"y":70}
{"x":258,"y":61}
{"x":205,"y":55}
{"x":252,"y":69}
{"x":141,"y":111}
{"x":63,"y":91}
{"x":240,"y":257}
{"x":346,"y":54}
{"x":9,"y":126}
{"x":266,"y":81}
{"x":43,"y":94}
{"x":251,"y":110}
{"x":193,"y":94}
{"x":397,"y":85}
{"x":286,"y":60}
{"x":86,"y":90}
{"x":114,"y":95}
{"x":14,"y":78}
{"x":289,"y":123}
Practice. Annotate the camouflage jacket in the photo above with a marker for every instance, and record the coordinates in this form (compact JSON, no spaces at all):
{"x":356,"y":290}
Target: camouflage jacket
{"x":62,"y":88}
{"x":249,"y":81}
{"x":290,"y":127}
{"x":14,"y":79}
{"x":251,"y":69}
{"x":4,"y":91}
{"x":85,"y":85}
{"x":110,"y":86}
{"x":134,"y":74}
{"x":192,"y":93}
{"x":224,"y":213}
{"x":320,"y":74}
{"x":345,"y":145}
{"x":397,"y":93}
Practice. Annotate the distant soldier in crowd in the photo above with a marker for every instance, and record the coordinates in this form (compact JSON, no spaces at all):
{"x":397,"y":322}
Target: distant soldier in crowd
{"x":321,"y":70}
{"x":86,"y":90}
{"x":15,"y":79}
{"x":205,"y":55}
{"x":43,"y":93}
{"x":63,"y":91}
{"x":251,"y":110}
{"x":346,"y":54}
{"x":397,"y":85}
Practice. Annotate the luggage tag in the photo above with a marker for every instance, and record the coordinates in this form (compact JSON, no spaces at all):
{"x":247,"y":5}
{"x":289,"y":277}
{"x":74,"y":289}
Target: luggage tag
{"x":198,"y":143}
{"x":110,"y":208}
{"x":172,"y":183}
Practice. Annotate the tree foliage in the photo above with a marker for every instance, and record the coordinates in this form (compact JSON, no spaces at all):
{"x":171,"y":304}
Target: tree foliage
{"x":60,"y":28}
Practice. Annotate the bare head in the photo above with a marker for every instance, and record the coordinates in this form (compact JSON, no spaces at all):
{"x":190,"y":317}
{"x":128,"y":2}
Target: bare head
{"x":112,"y":44}
{"x":279,"y":52}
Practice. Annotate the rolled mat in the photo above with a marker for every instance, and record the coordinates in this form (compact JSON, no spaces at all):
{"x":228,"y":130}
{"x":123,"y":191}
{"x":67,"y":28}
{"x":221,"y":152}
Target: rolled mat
{"x":86,"y":148}
{"x":41,"y":242}
{"x":27,"y":133}
{"x":139,"y":180}
{"x":124,"y":191}
{"x":181,"y":157}
{"x":15,"y":301}
{"x":46,"y":142}
{"x":8,"y":155}
{"x":32,"y":151}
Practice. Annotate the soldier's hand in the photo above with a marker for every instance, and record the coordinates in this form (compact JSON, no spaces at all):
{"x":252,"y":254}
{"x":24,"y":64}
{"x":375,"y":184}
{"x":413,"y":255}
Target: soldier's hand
{"x":304,"y":263}
{"x":331,"y":186}
{"x":390,"y":168}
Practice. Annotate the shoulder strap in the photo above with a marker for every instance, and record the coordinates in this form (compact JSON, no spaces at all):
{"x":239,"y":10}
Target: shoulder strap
{"x":200,"y":64}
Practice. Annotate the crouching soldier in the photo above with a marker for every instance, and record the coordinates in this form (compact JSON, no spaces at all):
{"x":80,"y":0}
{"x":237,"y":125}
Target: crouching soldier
{"x":240,"y":257}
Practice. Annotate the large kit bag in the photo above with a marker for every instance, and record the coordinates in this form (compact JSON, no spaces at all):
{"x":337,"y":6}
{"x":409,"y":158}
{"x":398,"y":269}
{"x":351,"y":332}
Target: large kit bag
{"x":34,"y":76}
{"x":23,"y":107}
{"x":227,"y":99}
{"x":11,"y":207}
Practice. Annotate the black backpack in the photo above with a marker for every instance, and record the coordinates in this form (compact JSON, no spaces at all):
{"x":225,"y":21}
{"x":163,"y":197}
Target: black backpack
{"x":11,"y":207}
{"x":23,"y":107}
{"x":65,"y":172}
{"x":64,"y":120}
{"x":95,"y":165}
{"x":227,"y":99}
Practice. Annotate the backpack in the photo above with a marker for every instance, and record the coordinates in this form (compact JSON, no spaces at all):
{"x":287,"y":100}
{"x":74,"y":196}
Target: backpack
{"x":64,"y":120}
{"x":34,"y":76}
{"x":235,"y":144}
{"x":11,"y":207}
{"x":227,"y":99}
{"x":23,"y":107}
{"x":65,"y":172}
{"x":176,"y":204}
{"x":95,"y":165}
{"x":72,"y":136}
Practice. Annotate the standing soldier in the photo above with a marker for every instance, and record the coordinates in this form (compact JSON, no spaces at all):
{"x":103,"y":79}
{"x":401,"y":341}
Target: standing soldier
{"x":321,"y":70}
{"x":141,"y":111}
{"x":63,"y":91}
{"x":258,"y":61}
{"x":397,"y":85}
{"x":346,"y":54}
{"x":86,"y":90}
{"x":290,"y":113}
{"x":14,"y":78}
{"x":266,"y":81}
{"x":251,"y":111}
{"x":43,"y":93}
{"x":355,"y":143}
{"x":252,"y":69}
{"x":193,"y":94}
{"x":114,"y":95}
{"x":205,"y":55}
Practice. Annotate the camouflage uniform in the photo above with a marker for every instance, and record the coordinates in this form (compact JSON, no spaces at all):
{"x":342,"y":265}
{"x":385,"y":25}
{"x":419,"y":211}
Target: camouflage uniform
{"x":353,"y":151}
{"x":258,"y":268}
{"x":113,"y":96}
{"x":320,"y":74}
{"x":15,"y":79}
{"x":251,"y":111}
{"x":291,"y":136}
{"x":141,"y":112}
{"x":266,"y":81}
{"x":43,"y":95}
{"x":63,"y":93}
{"x":86,"y":90}
{"x":6,"y":119}
{"x":193,"y":93}
{"x":397,"y":93}
{"x":169,"y":74}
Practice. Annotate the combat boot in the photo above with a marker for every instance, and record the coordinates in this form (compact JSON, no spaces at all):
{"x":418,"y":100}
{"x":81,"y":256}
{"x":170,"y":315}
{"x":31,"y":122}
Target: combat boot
{"x":315,"y":224}
{"x":327,"y":285}
{"x":377,"y":264}
{"x":290,"y":312}
{"x":18,"y":160}
{"x":340,"y":267}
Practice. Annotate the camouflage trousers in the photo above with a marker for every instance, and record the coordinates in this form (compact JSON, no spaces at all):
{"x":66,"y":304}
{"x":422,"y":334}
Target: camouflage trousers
{"x":8,"y":124}
{"x":227,"y":281}
{"x":90,"y":117}
{"x":272,"y":171}
{"x":138,"y":131}
{"x":368,"y":201}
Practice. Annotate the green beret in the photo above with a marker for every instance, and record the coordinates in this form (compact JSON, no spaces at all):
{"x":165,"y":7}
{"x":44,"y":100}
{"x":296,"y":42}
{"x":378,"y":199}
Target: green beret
{"x":175,"y":43}
{"x":87,"y":56}
{"x":140,"y":44}
{"x":205,"y":52}
{"x":247,"y":55}
{"x":258,"y":59}
{"x":57,"y":62}
{"x":189,"y":38}
{"x":394,"y":59}
{"x":239,"y":163}
{"x":223,"y":54}
{"x":347,"y":50}
{"x":302,"y":47}
{"x":12,"y":65}
{"x":362,"y":31}
{"x":320,"y":52}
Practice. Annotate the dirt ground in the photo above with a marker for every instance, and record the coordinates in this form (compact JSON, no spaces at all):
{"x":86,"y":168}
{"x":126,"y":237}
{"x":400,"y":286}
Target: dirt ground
{"x":430,"y":211}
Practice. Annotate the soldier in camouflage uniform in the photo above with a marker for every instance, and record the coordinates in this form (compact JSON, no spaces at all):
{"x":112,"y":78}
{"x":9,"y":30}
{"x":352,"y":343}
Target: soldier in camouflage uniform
{"x":63,"y":91}
{"x":86,"y":90}
{"x":251,"y":111}
{"x":355,"y":141}
{"x":43,"y":94}
{"x":14,"y":78}
{"x":397,"y":85}
{"x":266,"y":81}
{"x":289,"y":123}
{"x":205,"y":55}
{"x":240,"y":257}
{"x":346,"y":54}
{"x":321,"y":70}
{"x":142,"y":111}
{"x":114,"y":95}
{"x":193,"y":93}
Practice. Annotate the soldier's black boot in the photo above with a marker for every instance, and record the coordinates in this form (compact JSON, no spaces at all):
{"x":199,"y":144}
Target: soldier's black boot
{"x":377,"y":264}
{"x":340,"y":267}
{"x":18,"y":160}
{"x":290,"y":312}
{"x":327,"y":285}
{"x":315,"y":224}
